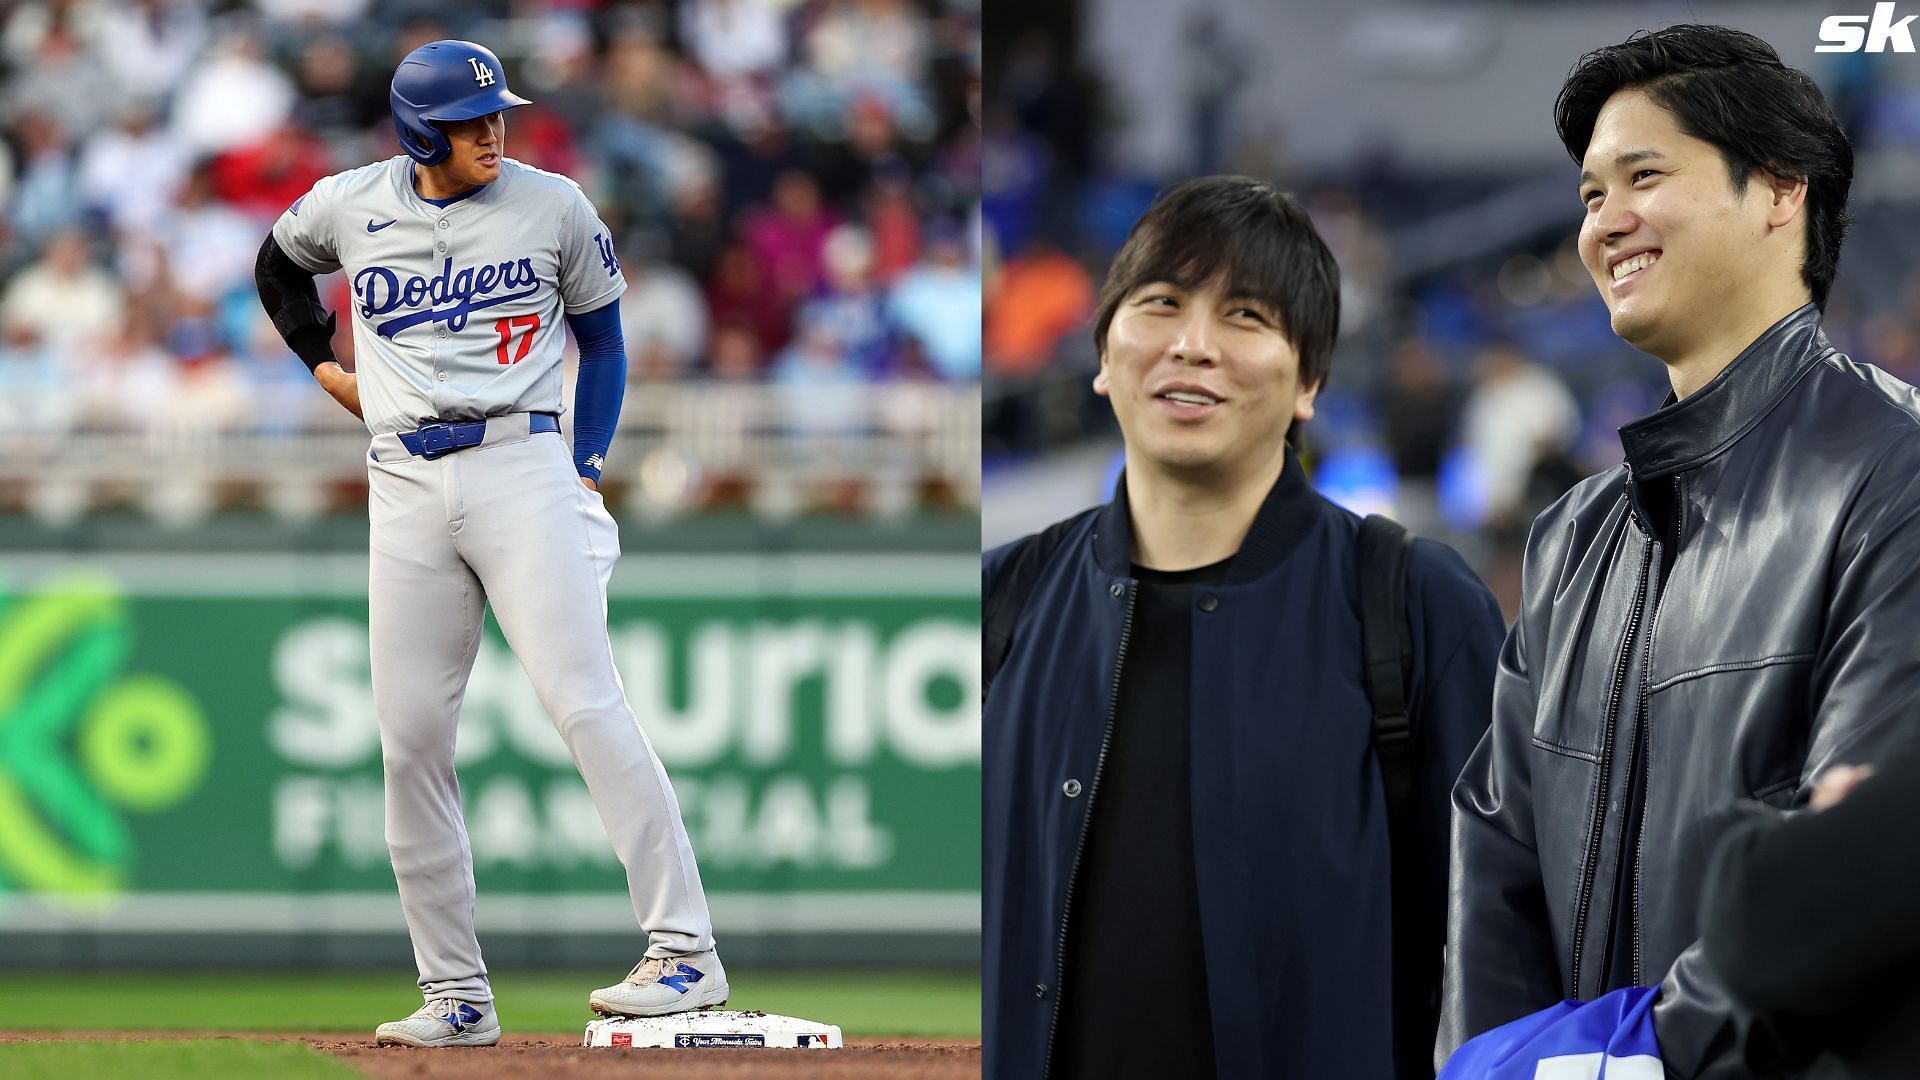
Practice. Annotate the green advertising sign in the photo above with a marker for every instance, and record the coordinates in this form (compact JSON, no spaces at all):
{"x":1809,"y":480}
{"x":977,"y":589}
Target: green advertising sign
{"x":192,"y":738}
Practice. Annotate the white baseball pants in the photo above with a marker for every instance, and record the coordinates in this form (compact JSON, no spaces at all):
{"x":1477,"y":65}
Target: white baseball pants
{"x":507,"y":523}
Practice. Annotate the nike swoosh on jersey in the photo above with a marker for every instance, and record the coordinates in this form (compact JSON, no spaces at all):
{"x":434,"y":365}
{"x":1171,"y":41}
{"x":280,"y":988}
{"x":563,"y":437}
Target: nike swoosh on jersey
{"x":371,"y":227}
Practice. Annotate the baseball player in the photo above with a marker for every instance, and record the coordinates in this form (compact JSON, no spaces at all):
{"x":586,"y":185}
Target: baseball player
{"x":463,"y":263}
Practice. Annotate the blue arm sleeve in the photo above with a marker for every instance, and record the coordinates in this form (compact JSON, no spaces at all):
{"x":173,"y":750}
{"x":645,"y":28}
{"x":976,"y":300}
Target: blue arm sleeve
{"x":602,"y":383}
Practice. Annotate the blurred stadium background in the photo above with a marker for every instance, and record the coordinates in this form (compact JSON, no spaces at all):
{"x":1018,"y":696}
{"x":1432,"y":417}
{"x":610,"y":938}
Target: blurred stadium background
{"x":189,"y":769}
{"x":1477,"y":377}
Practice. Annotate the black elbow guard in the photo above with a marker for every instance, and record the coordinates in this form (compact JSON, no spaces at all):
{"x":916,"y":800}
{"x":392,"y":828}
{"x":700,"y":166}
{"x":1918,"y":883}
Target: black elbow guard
{"x":293,"y":303}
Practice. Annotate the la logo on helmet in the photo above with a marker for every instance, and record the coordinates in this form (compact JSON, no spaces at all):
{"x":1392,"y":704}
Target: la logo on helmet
{"x":482,"y":74}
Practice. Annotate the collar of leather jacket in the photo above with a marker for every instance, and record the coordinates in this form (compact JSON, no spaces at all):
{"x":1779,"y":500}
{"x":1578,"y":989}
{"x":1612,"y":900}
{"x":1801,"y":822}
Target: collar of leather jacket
{"x":1682,"y":434}
{"x":1285,"y":516}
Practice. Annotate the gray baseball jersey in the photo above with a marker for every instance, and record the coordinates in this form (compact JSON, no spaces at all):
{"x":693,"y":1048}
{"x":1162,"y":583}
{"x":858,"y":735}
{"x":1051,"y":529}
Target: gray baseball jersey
{"x":457,"y":310}
{"x":457,"y":314}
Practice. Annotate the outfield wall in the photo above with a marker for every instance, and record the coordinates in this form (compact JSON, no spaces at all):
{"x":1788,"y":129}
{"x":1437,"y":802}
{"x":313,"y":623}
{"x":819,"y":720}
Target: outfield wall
{"x":190,"y":770}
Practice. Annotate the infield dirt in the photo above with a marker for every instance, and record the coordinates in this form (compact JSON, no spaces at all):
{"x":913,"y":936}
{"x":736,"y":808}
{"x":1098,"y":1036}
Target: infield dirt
{"x":536,"y":1057}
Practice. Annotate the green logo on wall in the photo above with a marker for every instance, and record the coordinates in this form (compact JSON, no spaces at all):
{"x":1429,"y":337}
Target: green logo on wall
{"x":79,"y":741}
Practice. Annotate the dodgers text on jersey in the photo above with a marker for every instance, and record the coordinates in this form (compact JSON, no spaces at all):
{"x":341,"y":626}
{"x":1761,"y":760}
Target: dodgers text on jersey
{"x":381,"y":292}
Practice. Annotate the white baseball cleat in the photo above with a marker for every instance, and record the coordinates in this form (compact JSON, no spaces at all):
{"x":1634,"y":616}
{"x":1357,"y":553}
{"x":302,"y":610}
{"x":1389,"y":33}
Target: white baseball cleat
{"x":658,"y":986}
{"x":442,"y":1022}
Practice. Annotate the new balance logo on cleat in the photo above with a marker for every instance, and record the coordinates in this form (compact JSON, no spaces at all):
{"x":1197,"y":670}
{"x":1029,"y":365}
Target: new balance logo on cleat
{"x":462,"y":1017}
{"x":680,"y":982}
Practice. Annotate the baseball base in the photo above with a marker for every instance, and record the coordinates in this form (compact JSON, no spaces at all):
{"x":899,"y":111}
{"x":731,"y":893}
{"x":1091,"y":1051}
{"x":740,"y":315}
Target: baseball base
{"x":683,"y":1031}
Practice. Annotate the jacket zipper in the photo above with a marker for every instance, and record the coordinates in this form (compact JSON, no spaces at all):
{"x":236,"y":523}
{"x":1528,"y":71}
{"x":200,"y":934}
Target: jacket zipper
{"x":1631,"y":865}
{"x":1086,"y":820}
{"x":1646,"y":673}
{"x":1591,"y":864}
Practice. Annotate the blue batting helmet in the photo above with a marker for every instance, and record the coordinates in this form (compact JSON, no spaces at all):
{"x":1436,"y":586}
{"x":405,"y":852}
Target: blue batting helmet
{"x":446,"y":80}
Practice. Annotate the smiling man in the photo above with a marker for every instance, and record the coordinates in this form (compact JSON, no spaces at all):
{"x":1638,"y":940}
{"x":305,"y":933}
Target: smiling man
{"x":1186,"y":827}
{"x":1730,"y":610}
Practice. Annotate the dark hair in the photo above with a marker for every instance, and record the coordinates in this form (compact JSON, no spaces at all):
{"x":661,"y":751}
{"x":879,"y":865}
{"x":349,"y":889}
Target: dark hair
{"x":1730,"y":89}
{"x":1248,"y":233}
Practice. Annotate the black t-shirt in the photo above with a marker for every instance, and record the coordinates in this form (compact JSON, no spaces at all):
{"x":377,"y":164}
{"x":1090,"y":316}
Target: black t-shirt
{"x":1133,"y":936}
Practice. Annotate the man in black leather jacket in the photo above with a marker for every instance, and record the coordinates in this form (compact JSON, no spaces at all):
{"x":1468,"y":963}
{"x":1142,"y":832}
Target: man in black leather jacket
{"x":1731,"y":609}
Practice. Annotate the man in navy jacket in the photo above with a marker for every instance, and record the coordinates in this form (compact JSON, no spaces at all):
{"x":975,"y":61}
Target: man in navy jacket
{"x":1186,"y":846}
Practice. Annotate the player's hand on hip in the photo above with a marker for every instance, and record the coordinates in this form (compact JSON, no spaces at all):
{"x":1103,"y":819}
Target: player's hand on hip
{"x":342,"y":385}
{"x":591,"y":486}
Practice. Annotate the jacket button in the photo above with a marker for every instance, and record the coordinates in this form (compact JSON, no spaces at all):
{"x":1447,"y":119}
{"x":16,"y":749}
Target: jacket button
{"x":1209,"y":602}
{"x":1116,"y":589}
{"x":1071,"y":788}
{"x":1040,"y":990}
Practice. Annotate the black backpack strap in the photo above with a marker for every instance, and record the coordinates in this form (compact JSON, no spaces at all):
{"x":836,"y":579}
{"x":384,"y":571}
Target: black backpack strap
{"x":1387,"y":645}
{"x":1000,"y":609}
{"x":1387,"y":640}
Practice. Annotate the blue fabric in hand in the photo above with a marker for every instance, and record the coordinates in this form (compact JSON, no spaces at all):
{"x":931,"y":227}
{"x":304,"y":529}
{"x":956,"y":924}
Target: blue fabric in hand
{"x":1608,"y":1038}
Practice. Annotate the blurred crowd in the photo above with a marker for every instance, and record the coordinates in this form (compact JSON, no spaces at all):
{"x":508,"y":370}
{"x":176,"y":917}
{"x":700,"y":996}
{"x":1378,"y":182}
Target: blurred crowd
{"x":1474,"y":381}
{"x":792,"y":184}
